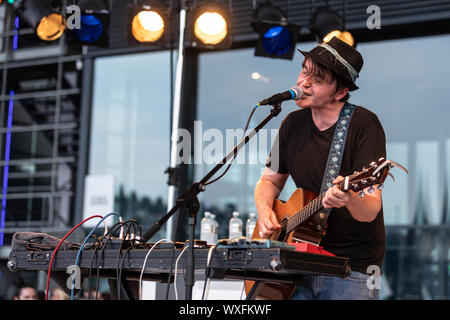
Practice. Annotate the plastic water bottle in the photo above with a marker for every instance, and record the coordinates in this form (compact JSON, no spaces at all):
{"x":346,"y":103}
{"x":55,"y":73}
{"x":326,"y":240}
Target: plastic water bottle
{"x":250,"y":226}
{"x":235,"y":226}
{"x":215,"y":233}
{"x":206,"y":228}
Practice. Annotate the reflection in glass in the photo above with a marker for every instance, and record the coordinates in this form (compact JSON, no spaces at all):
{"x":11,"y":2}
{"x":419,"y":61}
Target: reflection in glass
{"x":427,"y":184}
{"x":129,"y":132}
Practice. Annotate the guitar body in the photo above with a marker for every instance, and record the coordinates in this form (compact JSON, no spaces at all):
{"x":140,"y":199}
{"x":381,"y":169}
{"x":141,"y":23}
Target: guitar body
{"x":284,"y":210}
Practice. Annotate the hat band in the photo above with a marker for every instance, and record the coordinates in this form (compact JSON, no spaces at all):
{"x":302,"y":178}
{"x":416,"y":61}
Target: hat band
{"x":353,"y":73}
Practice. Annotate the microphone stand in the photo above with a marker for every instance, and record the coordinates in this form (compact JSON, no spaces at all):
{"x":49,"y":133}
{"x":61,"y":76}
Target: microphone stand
{"x":189,"y":200}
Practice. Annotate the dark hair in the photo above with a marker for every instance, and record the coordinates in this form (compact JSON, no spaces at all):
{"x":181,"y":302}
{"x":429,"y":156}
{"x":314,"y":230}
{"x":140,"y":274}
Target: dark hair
{"x":19,"y":288}
{"x":322,"y":73}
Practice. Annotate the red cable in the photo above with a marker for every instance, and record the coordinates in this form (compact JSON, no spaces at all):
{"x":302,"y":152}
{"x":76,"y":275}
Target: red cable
{"x":57,"y":247}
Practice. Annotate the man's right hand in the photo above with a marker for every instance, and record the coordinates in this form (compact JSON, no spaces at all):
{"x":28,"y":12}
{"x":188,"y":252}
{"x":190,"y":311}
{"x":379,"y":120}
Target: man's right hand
{"x":267,"y":223}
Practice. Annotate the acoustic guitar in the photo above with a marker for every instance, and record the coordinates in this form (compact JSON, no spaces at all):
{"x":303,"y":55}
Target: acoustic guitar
{"x":297,"y":218}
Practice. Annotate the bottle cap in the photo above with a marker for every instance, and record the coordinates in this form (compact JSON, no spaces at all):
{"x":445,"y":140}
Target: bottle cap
{"x":207,"y":213}
{"x":235,"y":214}
{"x":252,"y":214}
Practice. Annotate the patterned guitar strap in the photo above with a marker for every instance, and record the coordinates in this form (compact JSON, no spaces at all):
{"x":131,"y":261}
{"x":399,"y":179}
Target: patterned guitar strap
{"x":334,"y":162}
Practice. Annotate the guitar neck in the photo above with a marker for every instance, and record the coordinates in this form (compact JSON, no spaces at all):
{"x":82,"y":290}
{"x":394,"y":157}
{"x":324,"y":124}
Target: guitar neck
{"x":307,"y":211}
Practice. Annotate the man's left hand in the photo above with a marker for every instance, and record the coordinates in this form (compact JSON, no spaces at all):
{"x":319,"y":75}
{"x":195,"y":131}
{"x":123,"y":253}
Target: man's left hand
{"x":336,"y":198}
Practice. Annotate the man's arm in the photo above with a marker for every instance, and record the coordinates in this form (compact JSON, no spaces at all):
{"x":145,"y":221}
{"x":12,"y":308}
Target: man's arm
{"x":267,"y":190}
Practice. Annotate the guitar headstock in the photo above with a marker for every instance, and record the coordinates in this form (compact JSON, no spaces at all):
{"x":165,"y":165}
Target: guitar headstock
{"x":374,"y":174}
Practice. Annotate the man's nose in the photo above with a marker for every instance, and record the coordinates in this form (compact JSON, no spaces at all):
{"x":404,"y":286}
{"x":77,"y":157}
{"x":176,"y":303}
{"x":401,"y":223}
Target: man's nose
{"x":303,"y":81}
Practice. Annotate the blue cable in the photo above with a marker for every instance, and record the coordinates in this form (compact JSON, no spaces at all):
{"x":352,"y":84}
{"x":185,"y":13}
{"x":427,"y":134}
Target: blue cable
{"x":84,"y":243}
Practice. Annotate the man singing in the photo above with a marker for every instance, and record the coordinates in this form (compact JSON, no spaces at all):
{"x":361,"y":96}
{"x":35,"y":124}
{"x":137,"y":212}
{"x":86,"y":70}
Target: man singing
{"x":355,"y":225}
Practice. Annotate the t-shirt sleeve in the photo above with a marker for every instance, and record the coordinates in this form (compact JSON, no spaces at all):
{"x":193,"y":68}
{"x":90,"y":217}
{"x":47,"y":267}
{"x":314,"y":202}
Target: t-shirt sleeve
{"x":276,"y":160}
{"x":371,"y":144}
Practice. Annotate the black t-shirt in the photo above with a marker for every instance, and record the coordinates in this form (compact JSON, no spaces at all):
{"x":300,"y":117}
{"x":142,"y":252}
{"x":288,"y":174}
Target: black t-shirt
{"x":303,"y":154}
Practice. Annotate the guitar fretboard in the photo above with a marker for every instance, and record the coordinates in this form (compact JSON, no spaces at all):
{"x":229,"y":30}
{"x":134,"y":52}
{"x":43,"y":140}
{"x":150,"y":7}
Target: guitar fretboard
{"x":307,"y":211}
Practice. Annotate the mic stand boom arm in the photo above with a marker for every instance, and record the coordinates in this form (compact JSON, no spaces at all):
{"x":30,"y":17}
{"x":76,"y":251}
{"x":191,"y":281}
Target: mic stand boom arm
{"x":189,"y":200}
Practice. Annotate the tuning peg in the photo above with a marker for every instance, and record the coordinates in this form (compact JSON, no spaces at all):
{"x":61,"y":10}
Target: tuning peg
{"x":370,"y":190}
{"x":380,"y":186}
{"x":361,"y":194}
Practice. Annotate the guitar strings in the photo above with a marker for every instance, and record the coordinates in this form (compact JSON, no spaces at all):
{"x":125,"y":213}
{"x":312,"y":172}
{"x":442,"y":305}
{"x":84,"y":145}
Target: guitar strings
{"x":309,"y":209}
{"x":300,"y":216}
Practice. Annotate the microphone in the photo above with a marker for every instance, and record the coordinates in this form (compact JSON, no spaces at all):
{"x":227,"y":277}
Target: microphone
{"x":294,"y":93}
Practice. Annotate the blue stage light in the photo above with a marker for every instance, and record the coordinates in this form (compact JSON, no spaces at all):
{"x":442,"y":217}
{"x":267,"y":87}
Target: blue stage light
{"x":93,"y":25}
{"x":277,"y":40}
{"x":91,"y":28}
{"x":277,"y":37}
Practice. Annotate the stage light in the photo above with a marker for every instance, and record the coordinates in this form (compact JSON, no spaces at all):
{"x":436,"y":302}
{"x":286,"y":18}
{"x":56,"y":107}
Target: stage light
{"x":147,"y":26}
{"x":48,"y":24}
{"x":326,"y":24}
{"x":210,"y":27}
{"x":277,"y":38}
{"x":147,"y":21}
{"x":94,"y":22}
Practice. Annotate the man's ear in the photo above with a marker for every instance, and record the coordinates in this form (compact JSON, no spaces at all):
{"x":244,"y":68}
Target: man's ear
{"x":342,"y":92}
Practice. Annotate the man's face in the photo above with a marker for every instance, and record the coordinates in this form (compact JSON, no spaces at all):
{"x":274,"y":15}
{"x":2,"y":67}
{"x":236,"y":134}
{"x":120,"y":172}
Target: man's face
{"x":317,"y":92}
{"x":27,"y":294}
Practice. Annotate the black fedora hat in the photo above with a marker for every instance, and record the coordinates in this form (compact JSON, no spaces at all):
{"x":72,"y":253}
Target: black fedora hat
{"x":339,"y":57}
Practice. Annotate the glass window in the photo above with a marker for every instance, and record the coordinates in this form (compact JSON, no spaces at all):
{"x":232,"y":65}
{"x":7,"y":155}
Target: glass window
{"x":130,"y":132}
{"x":406,"y":85}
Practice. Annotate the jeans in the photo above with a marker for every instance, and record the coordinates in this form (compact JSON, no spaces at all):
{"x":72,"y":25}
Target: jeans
{"x":354,"y":287}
